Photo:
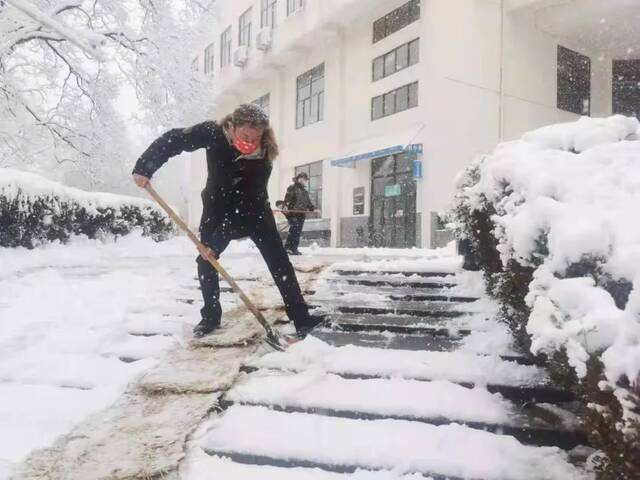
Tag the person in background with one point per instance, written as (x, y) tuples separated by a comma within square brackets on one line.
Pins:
[(297, 202), (240, 153)]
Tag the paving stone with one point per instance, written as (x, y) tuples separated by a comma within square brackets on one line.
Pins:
[(200, 370), (139, 437)]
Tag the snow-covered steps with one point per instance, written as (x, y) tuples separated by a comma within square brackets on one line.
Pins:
[(261, 435), (382, 307), (510, 378), (387, 340), (421, 365), (401, 324), (330, 290), (416, 342), (398, 273), (199, 465), (397, 280), (438, 402)]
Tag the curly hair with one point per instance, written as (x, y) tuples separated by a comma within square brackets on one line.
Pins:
[(254, 116)]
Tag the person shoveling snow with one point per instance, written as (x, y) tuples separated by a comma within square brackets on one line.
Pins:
[(240, 152)]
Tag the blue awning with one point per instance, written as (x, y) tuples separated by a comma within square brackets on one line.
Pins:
[(385, 152)]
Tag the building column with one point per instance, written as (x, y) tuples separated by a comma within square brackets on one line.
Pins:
[(335, 176)]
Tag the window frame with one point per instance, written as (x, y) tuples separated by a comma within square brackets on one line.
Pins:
[(571, 88), (209, 59), (226, 44), (394, 21), (245, 22), (307, 95), (293, 6), (625, 87), (388, 70), (315, 181), (389, 105), (268, 13)]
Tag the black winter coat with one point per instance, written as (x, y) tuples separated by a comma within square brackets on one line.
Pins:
[(236, 188), (297, 198)]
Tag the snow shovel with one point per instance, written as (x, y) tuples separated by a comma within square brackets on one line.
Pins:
[(272, 338)]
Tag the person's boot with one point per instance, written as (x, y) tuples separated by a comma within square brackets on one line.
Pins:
[(205, 327), (304, 328)]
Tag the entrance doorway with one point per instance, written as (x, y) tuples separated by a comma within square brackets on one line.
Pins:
[(393, 201)]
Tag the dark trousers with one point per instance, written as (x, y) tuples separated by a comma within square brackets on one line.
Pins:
[(263, 232), (296, 223)]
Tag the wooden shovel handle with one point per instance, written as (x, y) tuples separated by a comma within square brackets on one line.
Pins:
[(236, 288)]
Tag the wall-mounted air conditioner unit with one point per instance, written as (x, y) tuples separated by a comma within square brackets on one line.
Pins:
[(263, 41), (240, 56)]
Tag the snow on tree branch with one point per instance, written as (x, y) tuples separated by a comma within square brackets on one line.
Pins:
[(87, 41), (63, 64)]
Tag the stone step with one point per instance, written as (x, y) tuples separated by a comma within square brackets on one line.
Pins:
[(442, 326), (399, 292), (423, 309), (547, 436), (391, 332), (301, 439), (401, 341), (541, 393), (508, 375), (199, 465), (315, 466), (436, 403), (386, 280), (405, 273)]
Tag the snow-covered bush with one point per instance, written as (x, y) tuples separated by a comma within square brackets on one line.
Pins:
[(34, 210), (552, 220)]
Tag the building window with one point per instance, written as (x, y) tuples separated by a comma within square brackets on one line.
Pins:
[(209, 57), (263, 102), (244, 28), (395, 101), (225, 48), (626, 87), (574, 82), (397, 59), (268, 13), (314, 171), (294, 5), (195, 64), (310, 97), (396, 20)]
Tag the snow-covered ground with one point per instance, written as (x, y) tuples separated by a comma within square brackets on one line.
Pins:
[(73, 320)]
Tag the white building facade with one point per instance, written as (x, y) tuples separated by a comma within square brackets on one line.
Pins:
[(383, 102)]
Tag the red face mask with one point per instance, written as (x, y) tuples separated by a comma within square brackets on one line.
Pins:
[(246, 148)]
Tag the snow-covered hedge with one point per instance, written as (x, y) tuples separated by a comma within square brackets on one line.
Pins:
[(553, 221), (34, 210)]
